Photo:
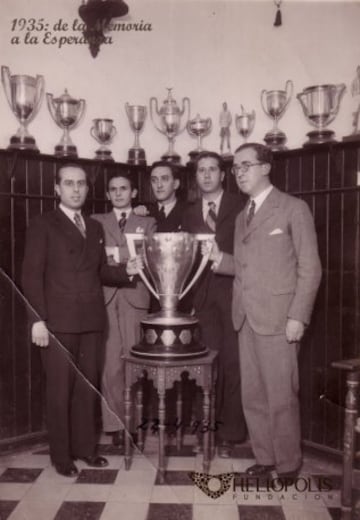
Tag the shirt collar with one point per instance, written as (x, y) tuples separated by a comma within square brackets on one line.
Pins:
[(118, 212), (259, 199), (205, 203), (70, 213), (167, 207)]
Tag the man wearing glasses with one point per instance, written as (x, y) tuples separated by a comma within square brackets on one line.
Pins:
[(277, 275)]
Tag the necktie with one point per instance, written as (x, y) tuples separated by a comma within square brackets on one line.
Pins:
[(161, 215), (211, 216), (122, 222), (251, 212), (79, 224)]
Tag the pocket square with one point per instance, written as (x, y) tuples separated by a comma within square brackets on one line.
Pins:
[(276, 231)]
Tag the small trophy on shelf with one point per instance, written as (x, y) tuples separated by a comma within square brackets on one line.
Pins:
[(136, 116), (198, 127), (103, 131), (245, 123), (274, 103)]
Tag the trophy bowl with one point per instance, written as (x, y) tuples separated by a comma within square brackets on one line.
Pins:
[(320, 104), (169, 116), (66, 112), (198, 127), (245, 123), (24, 95), (103, 131), (169, 259), (136, 116), (274, 103)]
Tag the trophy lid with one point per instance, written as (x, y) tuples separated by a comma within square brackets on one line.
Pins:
[(66, 98)]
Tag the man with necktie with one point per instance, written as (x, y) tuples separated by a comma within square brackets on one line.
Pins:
[(215, 212), (127, 305), (63, 269), (277, 275)]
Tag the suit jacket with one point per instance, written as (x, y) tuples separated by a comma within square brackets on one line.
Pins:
[(193, 222), (172, 221), (276, 265), (134, 291), (62, 273)]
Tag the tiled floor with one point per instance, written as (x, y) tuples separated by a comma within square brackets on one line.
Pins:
[(30, 489)]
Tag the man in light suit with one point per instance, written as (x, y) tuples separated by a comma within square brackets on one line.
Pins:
[(277, 275), (126, 305), (64, 266)]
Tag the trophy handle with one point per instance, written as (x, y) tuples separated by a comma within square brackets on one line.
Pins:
[(185, 105), (201, 237), (5, 79), (210, 126), (127, 108), (113, 132), (92, 133), (152, 101), (263, 92), (50, 105), (289, 88), (130, 240)]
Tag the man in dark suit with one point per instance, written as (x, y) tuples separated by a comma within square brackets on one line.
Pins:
[(64, 266), (277, 275), (215, 212), (125, 306), (168, 209)]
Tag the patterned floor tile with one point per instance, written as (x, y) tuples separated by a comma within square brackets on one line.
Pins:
[(117, 511), (261, 513), (215, 511), (36, 510), (80, 511), (169, 511), (22, 475), (173, 478), (97, 476), (6, 507), (172, 495)]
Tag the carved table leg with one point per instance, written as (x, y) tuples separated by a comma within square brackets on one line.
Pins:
[(127, 400), (161, 393), (206, 429), (139, 415), (351, 412), (179, 405)]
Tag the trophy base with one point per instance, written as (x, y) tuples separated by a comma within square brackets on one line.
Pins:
[(351, 138), (65, 151), (171, 158), (317, 137), (193, 154), (136, 156), (23, 143), (275, 141), (175, 339), (103, 155)]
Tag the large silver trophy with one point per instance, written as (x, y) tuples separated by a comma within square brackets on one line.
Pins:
[(136, 116), (245, 123), (170, 117), (199, 128), (274, 103), (321, 104), (24, 94), (169, 259), (103, 131), (66, 112)]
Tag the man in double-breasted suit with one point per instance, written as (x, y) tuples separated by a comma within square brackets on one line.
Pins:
[(63, 271), (277, 275), (215, 212), (127, 305)]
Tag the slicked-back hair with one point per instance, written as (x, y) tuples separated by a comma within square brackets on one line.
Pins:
[(166, 164), (263, 153), (123, 175), (68, 165), (210, 155)]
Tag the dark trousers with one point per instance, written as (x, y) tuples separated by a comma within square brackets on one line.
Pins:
[(71, 364), (218, 334)]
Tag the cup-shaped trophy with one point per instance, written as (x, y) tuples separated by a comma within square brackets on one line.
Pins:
[(245, 123), (274, 103), (103, 131), (24, 94), (66, 112), (170, 122), (136, 116), (199, 128), (169, 259), (321, 104)]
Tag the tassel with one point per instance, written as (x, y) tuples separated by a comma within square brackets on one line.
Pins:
[(278, 19)]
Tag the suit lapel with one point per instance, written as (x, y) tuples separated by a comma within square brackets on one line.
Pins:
[(266, 210), (72, 235)]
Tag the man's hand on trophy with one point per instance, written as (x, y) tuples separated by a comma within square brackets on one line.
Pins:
[(134, 265), (141, 211)]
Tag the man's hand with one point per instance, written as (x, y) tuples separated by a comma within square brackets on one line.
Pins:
[(141, 210), (134, 265), (294, 330), (210, 246), (40, 334)]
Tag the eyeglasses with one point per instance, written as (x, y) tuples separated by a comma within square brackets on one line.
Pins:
[(243, 167)]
